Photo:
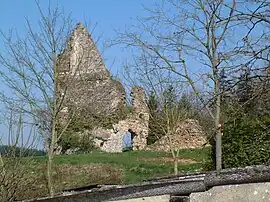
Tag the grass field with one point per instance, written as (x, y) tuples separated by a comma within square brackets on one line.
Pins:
[(104, 168)]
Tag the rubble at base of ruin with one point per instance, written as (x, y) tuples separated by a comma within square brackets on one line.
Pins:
[(91, 91), (189, 135)]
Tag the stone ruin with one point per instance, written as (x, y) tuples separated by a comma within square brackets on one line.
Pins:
[(86, 88), (136, 123), (84, 81), (189, 135)]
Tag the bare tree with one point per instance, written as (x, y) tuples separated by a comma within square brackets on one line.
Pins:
[(32, 71), (256, 19), (13, 167), (167, 114), (172, 117), (195, 41)]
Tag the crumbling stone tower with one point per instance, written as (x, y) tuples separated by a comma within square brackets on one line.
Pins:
[(136, 123), (89, 91), (141, 114), (84, 80)]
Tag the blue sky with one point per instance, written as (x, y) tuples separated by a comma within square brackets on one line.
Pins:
[(108, 15)]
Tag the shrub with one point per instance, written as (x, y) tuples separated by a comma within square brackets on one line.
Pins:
[(84, 121), (246, 142), (72, 141), (127, 149), (12, 151)]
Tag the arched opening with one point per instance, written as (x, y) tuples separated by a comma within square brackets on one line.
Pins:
[(128, 140), (101, 144)]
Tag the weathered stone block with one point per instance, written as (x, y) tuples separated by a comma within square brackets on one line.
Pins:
[(162, 198), (259, 192), (189, 134)]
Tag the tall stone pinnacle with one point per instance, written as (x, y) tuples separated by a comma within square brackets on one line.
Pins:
[(82, 54), (91, 88)]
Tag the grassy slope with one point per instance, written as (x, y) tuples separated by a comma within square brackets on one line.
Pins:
[(103, 168), (137, 165)]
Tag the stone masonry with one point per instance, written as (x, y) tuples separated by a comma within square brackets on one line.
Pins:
[(84, 83), (188, 135), (136, 122), (85, 86)]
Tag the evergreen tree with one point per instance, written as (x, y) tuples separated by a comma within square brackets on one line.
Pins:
[(246, 131), (152, 102), (155, 121), (169, 97), (244, 91)]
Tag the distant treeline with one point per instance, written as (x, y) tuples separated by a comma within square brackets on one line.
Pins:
[(6, 150)]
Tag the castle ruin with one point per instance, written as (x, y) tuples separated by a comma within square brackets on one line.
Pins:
[(84, 81), (111, 140), (85, 87)]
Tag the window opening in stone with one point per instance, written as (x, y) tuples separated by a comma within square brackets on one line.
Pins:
[(127, 143), (128, 140), (101, 144)]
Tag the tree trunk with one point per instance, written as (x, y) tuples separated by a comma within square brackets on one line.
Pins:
[(215, 68), (218, 136), (175, 166), (50, 164), (53, 134)]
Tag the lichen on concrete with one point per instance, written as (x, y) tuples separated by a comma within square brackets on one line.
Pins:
[(234, 193)]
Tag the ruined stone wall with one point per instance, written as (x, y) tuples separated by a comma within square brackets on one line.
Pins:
[(81, 55), (141, 115), (84, 86), (137, 122), (83, 79), (188, 135)]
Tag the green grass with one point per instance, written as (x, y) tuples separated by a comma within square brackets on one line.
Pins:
[(71, 171), (137, 165)]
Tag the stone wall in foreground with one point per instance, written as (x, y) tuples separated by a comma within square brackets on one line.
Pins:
[(253, 192), (257, 192)]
